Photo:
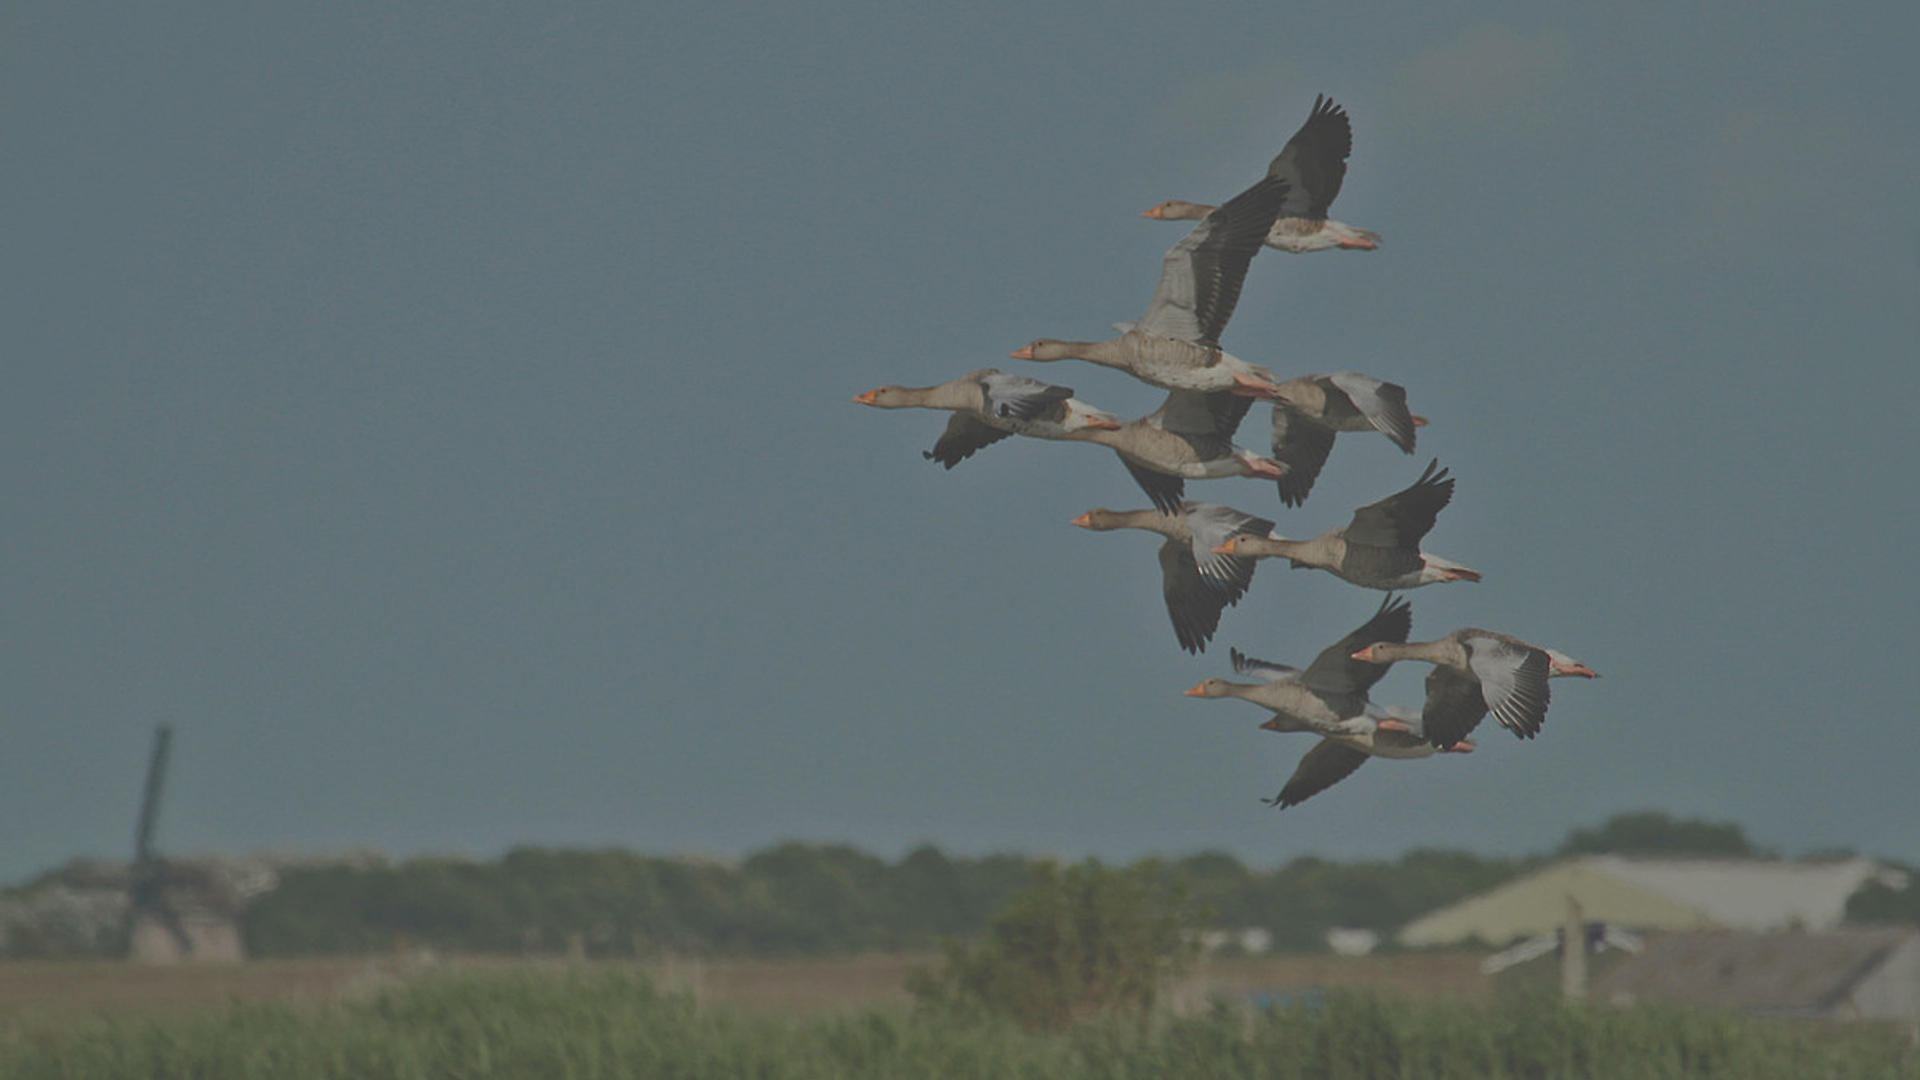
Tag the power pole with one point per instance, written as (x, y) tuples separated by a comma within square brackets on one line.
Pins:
[(1573, 953)]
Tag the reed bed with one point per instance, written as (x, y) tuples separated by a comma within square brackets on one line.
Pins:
[(587, 1025)]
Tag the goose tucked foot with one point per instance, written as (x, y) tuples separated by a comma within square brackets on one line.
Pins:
[(1260, 389)]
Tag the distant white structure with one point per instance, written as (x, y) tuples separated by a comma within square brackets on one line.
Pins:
[(1352, 941), (1656, 894), (1600, 937), (1251, 940)]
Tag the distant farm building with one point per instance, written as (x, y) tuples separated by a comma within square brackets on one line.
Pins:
[(1250, 941), (1655, 894), (1866, 974)]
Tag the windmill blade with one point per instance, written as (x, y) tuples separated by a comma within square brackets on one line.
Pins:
[(150, 798)]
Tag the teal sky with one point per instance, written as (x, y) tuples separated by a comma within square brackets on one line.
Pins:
[(440, 415)]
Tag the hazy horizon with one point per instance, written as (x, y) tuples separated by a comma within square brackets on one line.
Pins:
[(1761, 849)]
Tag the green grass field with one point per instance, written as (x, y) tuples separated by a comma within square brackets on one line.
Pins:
[(590, 1024)]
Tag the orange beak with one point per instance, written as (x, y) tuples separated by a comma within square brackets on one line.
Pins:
[(1419, 421), (1224, 549), (1025, 352), (1103, 423), (1085, 520), (1198, 691), (1363, 654), (1272, 724), (866, 398), (1153, 213)]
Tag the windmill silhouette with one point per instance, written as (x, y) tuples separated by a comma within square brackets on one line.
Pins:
[(147, 900)]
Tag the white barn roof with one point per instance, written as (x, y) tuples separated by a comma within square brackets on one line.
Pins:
[(1662, 894), (1742, 894)]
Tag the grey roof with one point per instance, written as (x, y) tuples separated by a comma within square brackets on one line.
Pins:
[(1790, 974)]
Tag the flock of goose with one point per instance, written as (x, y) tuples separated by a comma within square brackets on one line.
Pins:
[(1209, 551)]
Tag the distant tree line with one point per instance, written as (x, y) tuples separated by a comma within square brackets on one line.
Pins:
[(1649, 832), (808, 899), (800, 899), (796, 899), (1883, 903)]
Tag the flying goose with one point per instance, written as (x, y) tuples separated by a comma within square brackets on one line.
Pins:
[(1330, 696), (1475, 672), (1396, 734), (1314, 162), (1189, 437), (1176, 344), (1379, 548), (989, 405), (1197, 580), (1310, 410)]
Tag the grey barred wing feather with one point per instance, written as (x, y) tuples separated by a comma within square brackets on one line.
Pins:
[(1404, 518), (1302, 440), (1211, 525), (1323, 766), (963, 436), (1201, 276), (1174, 310), (1200, 414), (1513, 680), (1383, 540), (1336, 674), (1454, 707), (1018, 397), (1301, 445), (1314, 161), (1193, 605), (1164, 490), (1265, 670), (1384, 404)]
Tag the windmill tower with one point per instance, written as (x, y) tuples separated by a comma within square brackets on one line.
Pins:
[(176, 912)]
